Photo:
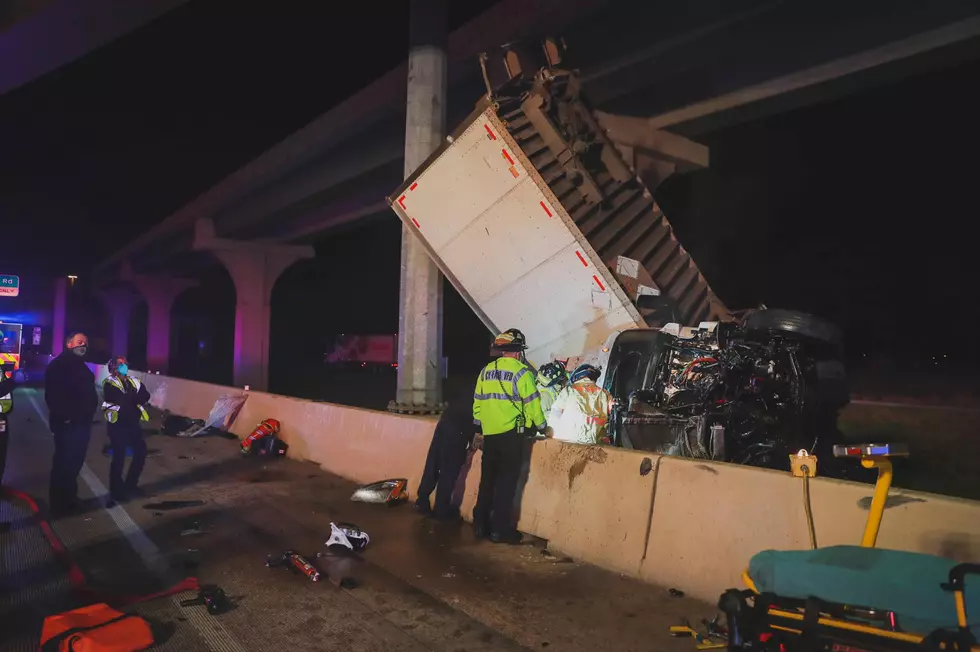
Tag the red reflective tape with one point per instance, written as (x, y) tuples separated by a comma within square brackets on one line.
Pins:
[(401, 202), (507, 156), (490, 132), (413, 186), (416, 223), (545, 207), (596, 279), (582, 258)]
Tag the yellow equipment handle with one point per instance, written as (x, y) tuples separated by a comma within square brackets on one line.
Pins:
[(882, 485)]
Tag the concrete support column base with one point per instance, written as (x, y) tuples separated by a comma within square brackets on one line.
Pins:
[(120, 304), (254, 268), (58, 321), (159, 292)]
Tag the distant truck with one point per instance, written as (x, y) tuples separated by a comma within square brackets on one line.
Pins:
[(534, 216), (11, 340), (365, 349)]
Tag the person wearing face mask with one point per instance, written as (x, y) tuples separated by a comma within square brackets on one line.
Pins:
[(123, 405), (69, 391)]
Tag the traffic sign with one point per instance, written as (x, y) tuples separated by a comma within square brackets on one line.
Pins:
[(9, 285)]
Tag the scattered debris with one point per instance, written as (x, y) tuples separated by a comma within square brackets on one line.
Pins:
[(264, 442), (295, 561), (384, 492), (223, 413), (211, 596), (193, 529), (152, 452), (676, 593), (349, 536), (167, 505)]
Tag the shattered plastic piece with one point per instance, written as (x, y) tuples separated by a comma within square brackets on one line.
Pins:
[(223, 414), (348, 535), (676, 593), (387, 491)]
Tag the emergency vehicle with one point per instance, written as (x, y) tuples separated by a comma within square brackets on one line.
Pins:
[(10, 344)]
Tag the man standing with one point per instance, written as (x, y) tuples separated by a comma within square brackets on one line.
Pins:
[(447, 454), (580, 414), (69, 391), (506, 410)]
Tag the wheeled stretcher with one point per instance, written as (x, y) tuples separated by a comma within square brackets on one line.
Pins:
[(854, 598)]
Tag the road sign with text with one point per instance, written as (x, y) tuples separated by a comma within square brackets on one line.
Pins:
[(9, 285)]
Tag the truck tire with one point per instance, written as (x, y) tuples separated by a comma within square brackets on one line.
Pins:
[(796, 323)]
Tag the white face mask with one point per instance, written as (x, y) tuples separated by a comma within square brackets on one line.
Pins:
[(80, 350)]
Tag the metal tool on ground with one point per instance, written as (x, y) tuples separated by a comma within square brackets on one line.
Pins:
[(212, 597), (296, 562)]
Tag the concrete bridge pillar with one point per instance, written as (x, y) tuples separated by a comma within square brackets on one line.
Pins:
[(159, 293), (120, 304), (254, 267), (420, 301), (58, 316)]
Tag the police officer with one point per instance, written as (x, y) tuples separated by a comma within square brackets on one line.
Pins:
[(69, 391), (124, 401), (506, 410), (6, 407)]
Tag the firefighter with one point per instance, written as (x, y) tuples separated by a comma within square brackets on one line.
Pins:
[(124, 401), (506, 410), (580, 414), (552, 378), (6, 407), (447, 454), (69, 391)]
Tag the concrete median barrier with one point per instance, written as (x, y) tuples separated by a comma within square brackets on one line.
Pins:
[(680, 523)]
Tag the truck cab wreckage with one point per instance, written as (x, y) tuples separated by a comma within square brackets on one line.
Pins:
[(539, 210)]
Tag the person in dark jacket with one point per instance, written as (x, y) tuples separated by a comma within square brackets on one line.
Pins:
[(124, 401), (69, 391), (6, 407), (447, 454)]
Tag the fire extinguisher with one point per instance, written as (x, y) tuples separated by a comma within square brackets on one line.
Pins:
[(267, 428)]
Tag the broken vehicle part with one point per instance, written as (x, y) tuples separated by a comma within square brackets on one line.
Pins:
[(387, 491), (223, 413), (212, 597), (747, 394), (349, 536)]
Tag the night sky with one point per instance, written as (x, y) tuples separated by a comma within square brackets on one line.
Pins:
[(858, 209)]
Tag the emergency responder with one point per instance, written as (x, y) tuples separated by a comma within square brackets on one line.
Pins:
[(124, 407), (6, 407), (447, 454), (552, 378), (580, 414), (506, 410), (69, 391)]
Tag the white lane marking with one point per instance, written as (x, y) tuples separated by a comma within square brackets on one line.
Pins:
[(210, 629)]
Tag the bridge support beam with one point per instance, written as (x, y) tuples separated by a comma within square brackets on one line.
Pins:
[(58, 333), (159, 293), (254, 267), (420, 365), (120, 304)]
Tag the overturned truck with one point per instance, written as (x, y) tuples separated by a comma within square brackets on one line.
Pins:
[(538, 209)]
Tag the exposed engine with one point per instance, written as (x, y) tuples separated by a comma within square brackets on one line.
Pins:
[(748, 394)]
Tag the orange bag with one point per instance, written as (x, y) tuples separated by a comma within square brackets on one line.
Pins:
[(95, 628)]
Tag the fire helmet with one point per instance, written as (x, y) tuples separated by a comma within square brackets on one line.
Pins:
[(511, 340), (585, 371), (552, 373)]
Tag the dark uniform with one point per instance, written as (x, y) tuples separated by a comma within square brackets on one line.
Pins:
[(69, 391), (123, 401), (447, 454), (6, 407)]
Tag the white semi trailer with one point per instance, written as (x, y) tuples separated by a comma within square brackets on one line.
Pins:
[(533, 215)]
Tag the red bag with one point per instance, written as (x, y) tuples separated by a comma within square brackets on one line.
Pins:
[(95, 628)]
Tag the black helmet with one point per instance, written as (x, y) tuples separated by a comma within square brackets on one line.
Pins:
[(585, 371), (553, 373), (511, 340)]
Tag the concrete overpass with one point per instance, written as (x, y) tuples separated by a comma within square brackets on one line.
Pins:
[(663, 76)]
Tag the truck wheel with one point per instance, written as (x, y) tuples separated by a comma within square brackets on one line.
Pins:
[(797, 323)]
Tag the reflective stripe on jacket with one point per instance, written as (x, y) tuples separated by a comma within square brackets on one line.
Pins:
[(111, 410), (580, 414), (505, 392), (6, 403)]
